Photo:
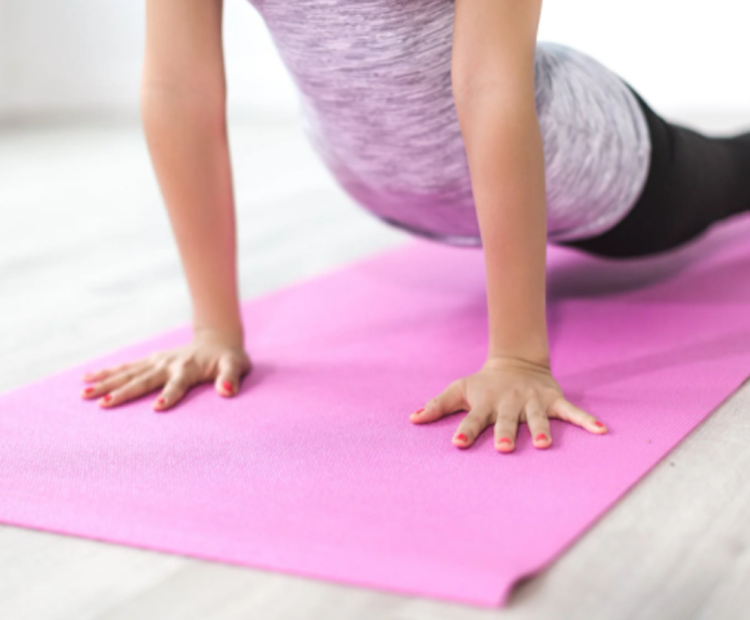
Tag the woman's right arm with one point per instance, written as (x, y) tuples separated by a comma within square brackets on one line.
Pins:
[(183, 111), (183, 103)]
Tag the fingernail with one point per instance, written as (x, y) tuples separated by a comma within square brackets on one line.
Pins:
[(107, 398), (599, 424), (540, 437), (504, 440), (228, 387), (462, 437), (418, 411), (160, 401), (89, 390)]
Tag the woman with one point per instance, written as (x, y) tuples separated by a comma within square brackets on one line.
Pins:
[(450, 121)]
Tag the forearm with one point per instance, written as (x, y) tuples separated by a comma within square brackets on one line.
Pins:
[(506, 159), (187, 140)]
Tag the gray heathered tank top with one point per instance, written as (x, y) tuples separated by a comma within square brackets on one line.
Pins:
[(374, 82)]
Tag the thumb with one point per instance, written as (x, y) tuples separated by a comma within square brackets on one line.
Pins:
[(231, 370), (450, 400)]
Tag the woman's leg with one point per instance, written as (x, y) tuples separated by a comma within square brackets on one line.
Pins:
[(693, 181)]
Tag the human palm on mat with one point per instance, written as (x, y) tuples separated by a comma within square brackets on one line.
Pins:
[(519, 143)]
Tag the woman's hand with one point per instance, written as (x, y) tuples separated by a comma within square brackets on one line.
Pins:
[(503, 393), (210, 357)]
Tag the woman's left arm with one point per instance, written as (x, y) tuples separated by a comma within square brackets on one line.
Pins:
[(494, 44)]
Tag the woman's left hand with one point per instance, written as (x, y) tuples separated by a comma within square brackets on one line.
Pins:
[(503, 393)]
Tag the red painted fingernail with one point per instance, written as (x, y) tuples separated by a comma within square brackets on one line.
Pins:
[(88, 390), (462, 437), (504, 440), (227, 386), (108, 397), (597, 423), (418, 411), (160, 401), (540, 437)]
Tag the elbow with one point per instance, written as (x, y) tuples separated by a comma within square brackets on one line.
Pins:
[(198, 93), (163, 102), (477, 97), (468, 86), (503, 85)]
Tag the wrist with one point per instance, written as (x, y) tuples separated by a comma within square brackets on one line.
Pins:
[(230, 334), (523, 338), (504, 361), (534, 350), (535, 355)]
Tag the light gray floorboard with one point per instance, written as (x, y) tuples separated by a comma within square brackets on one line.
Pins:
[(87, 265)]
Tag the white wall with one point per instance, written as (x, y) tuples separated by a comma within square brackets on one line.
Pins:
[(681, 54), (83, 56), (72, 56), (4, 54)]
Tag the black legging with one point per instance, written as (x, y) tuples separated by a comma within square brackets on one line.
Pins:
[(693, 181)]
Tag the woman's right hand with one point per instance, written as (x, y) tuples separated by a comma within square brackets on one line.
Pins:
[(210, 357)]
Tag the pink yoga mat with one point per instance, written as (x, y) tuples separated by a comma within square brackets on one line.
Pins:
[(315, 469)]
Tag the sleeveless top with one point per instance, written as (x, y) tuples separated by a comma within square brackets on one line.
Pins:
[(375, 94)]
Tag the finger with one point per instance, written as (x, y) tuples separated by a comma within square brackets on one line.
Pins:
[(565, 410), (536, 418), (228, 379), (506, 426), (472, 426), (99, 375), (141, 384), (174, 390), (104, 387), (449, 401)]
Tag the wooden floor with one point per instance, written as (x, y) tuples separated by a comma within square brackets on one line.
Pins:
[(87, 265)]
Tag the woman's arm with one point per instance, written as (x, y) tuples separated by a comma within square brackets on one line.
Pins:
[(493, 82), (183, 103), (183, 100), (494, 45)]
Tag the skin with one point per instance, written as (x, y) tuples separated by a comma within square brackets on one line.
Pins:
[(492, 74), (183, 108)]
